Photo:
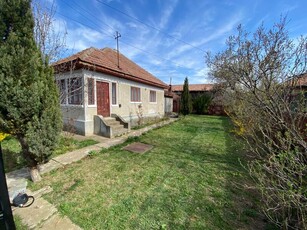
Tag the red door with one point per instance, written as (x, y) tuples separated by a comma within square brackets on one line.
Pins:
[(103, 102)]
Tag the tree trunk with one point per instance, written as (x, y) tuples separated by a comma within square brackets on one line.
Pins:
[(34, 173)]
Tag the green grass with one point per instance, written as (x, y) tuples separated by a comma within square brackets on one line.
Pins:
[(13, 159), (18, 224), (191, 179)]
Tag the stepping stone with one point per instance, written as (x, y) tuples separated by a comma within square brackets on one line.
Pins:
[(38, 212), (59, 222), (138, 147)]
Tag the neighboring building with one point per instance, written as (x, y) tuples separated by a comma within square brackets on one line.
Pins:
[(215, 107), (168, 100), (298, 96), (300, 83), (298, 86), (194, 89), (96, 84)]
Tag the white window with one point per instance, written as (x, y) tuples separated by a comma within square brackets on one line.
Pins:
[(135, 94), (114, 98), (62, 88), (91, 91), (152, 96), (75, 91)]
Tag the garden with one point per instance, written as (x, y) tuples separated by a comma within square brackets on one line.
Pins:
[(192, 178)]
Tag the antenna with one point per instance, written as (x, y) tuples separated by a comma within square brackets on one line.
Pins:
[(117, 36)]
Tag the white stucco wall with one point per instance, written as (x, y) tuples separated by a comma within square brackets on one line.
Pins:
[(84, 114)]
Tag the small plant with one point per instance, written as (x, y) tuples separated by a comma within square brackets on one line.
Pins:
[(92, 153), (69, 128), (139, 113)]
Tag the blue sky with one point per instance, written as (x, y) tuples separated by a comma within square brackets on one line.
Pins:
[(169, 38)]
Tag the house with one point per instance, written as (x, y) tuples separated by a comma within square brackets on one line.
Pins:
[(298, 98), (196, 90), (103, 92), (298, 89), (300, 83)]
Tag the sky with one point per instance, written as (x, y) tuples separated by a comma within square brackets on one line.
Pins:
[(169, 38)]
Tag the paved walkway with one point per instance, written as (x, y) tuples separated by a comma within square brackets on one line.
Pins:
[(42, 214)]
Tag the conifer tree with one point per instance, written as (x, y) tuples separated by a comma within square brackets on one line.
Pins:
[(29, 108), (186, 102)]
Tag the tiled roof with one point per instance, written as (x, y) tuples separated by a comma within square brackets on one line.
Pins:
[(194, 87), (302, 80), (105, 61), (298, 81)]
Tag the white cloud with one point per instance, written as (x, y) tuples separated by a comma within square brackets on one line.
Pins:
[(82, 38), (165, 17)]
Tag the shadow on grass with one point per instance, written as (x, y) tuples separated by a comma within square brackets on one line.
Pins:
[(209, 156), (236, 206), (239, 185)]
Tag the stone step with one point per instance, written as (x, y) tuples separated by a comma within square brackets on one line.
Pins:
[(117, 126), (40, 210), (111, 121)]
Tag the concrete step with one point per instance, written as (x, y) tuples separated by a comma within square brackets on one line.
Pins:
[(117, 126), (40, 210), (111, 121)]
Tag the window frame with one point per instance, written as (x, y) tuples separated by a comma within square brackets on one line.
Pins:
[(91, 92), (62, 91), (135, 94), (75, 91), (154, 94), (114, 94)]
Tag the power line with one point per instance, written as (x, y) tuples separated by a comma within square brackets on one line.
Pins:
[(150, 26), (84, 9), (112, 36)]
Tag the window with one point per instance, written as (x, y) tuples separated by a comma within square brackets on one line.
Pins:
[(62, 88), (135, 94), (114, 99), (152, 96), (91, 91), (75, 91)]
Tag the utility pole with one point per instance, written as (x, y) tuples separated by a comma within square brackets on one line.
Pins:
[(117, 36)]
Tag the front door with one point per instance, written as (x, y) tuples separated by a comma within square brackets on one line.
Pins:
[(103, 102)]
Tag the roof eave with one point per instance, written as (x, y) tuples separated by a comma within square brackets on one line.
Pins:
[(78, 63), (113, 72)]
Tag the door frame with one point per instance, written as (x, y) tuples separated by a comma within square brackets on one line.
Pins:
[(109, 104)]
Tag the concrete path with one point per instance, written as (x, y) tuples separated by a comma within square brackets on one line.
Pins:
[(42, 214)]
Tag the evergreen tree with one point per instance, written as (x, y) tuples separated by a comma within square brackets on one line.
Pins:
[(186, 102), (29, 107)]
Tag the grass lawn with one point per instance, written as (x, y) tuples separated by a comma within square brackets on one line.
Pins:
[(191, 179), (13, 158)]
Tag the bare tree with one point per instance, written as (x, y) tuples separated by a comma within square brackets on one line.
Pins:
[(48, 36), (264, 99)]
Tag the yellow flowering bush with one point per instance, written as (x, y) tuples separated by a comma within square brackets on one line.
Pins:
[(3, 136)]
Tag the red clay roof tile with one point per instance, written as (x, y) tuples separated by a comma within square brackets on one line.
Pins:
[(302, 80), (105, 60), (194, 87)]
